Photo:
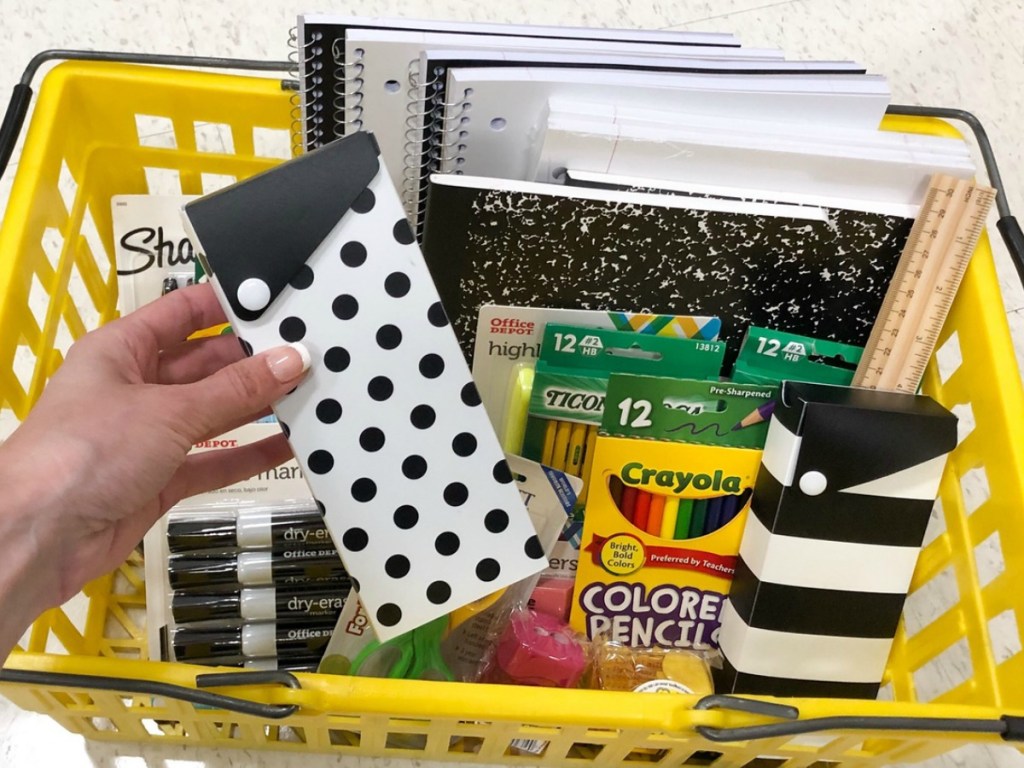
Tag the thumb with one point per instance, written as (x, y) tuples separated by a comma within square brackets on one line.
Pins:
[(234, 393)]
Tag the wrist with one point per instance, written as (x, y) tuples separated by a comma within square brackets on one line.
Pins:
[(27, 585)]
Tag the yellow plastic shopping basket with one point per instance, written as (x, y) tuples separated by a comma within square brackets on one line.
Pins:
[(956, 669)]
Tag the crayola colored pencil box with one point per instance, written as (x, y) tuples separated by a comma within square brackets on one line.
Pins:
[(664, 520)]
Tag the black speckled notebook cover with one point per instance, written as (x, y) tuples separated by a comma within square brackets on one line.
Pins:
[(818, 278)]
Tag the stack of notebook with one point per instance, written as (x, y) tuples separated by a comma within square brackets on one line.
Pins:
[(601, 169)]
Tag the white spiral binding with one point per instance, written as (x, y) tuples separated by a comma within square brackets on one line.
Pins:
[(348, 90), (307, 101), (441, 142), (419, 134)]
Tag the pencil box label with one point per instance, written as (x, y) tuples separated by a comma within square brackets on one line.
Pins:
[(688, 411)]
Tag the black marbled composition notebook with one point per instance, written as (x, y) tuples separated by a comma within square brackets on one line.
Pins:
[(806, 270)]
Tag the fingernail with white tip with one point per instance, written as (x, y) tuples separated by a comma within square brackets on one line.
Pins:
[(288, 362)]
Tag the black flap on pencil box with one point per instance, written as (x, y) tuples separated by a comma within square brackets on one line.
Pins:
[(268, 226)]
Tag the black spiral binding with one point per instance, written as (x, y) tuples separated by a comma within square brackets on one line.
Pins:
[(307, 113), (347, 109)]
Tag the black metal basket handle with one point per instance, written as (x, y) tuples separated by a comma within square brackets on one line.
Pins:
[(17, 108), (1008, 727), (172, 691)]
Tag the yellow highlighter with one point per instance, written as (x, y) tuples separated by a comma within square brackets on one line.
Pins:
[(516, 410), (668, 522)]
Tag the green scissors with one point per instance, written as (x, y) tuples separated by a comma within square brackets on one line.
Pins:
[(416, 655)]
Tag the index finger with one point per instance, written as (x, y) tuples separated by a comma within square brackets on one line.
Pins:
[(173, 318)]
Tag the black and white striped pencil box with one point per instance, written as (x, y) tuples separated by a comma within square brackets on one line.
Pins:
[(839, 511)]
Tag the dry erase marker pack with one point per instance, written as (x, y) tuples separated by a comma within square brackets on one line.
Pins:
[(508, 343), (387, 425), (663, 525), (771, 357)]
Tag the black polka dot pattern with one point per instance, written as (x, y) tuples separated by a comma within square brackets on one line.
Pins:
[(328, 410), (389, 337), (380, 388), (320, 462), (436, 315), (464, 444), (246, 347), (447, 543), (423, 417), (406, 517), (414, 467), (365, 202), (502, 473), (397, 566), (469, 395), (285, 428), (302, 279), (488, 569), (431, 366), (337, 359), (364, 489), (389, 614), (355, 539), (533, 548), (439, 592), (455, 494), (345, 307), (388, 429), (496, 520), (403, 232), (371, 439), (397, 284), (353, 254), (292, 329)]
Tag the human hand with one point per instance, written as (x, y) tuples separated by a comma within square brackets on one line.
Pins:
[(105, 451)]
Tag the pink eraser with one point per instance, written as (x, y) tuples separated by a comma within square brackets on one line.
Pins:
[(553, 597), (537, 649)]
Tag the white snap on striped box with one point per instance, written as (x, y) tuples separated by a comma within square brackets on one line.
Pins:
[(840, 507), (388, 425)]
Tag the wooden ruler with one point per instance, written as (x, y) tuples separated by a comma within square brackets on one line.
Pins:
[(927, 277)]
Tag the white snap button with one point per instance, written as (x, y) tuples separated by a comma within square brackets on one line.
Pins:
[(813, 483), (254, 294)]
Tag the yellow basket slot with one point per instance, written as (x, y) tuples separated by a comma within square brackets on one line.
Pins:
[(57, 281)]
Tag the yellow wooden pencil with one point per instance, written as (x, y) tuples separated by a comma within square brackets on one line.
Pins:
[(588, 461), (549, 443), (670, 517), (577, 449), (563, 431)]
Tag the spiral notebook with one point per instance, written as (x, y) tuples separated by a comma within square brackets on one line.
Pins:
[(430, 155), (322, 66), (811, 165), (505, 106)]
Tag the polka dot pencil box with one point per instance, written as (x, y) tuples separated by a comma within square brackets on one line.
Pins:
[(388, 425)]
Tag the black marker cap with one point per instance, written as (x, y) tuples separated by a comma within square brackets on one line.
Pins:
[(195, 569), (205, 644)]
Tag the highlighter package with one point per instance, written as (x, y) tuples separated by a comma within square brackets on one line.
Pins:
[(771, 357), (568, 395), (509, 339), (664, 519)]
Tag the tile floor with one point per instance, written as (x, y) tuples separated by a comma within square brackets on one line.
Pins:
[(964, 53)]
